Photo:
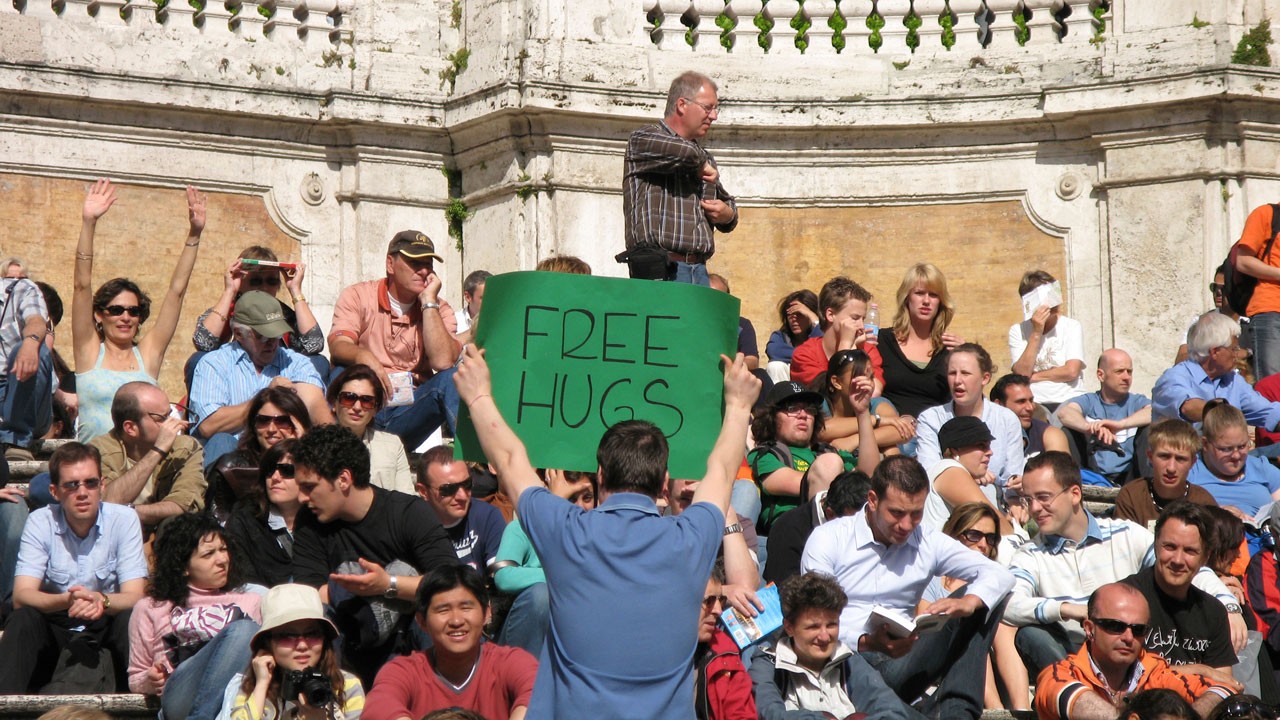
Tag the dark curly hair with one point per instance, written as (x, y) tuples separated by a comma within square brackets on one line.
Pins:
[(359, 371), (113, 287), (764, 423), (282, 397), (330, 449), (176, 542), (811, 590)]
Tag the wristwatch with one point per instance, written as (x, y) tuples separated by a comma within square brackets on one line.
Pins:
[(392, 587), (430, 306), (1233, 608), (734, 528)]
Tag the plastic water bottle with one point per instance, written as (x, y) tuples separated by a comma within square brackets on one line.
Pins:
[(871, 323)]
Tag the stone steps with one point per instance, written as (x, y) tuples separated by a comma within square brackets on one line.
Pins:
[(29, 707)]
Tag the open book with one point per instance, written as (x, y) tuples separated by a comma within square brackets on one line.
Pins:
[(746, 630), (1050, 294), (900, 625)]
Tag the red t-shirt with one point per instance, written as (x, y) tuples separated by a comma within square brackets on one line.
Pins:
[(810, 360), (409, 686)]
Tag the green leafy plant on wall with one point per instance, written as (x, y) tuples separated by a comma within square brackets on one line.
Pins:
[(947, 20), (1252, 48), (1021, 32), (875, 23), (838, 23)]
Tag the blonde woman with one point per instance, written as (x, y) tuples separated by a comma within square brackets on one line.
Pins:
[(914, 354)]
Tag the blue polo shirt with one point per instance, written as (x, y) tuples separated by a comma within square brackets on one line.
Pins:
[(109, 555), (626, 590)]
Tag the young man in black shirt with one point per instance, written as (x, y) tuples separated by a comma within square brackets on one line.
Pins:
[(364, 547), (1187, 626)]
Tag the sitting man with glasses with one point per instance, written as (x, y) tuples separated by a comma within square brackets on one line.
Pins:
[(364, 547), (227, 379), (671, 192), (147, 463), (474, 526), (1075, 553), (1209, 372), (80, 571), (1112, 665)]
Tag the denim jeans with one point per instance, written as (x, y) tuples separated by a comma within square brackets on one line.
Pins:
[(695, 274), (1043, 645), (26, 407), (954, 657), (528, 620), (13, 516), (195, 688), (435, 403), (217, 446), (1266, 343)]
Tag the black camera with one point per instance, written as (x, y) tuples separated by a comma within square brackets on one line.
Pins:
[(310, 683)]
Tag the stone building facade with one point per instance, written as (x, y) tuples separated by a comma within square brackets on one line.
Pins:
[(1114, 144)]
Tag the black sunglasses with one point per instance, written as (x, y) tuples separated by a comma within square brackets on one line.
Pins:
[(283, 422), (1240, 709), (451, 489), (972, 537), (118, 310), (1115, 627), (710, 601), (286, 470), (74, 485), (1216, 288), (259, 281)]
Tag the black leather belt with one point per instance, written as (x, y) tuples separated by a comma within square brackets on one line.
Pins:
[(692, 258)]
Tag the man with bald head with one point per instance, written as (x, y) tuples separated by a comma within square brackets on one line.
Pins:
[(1111, 417), (146, 460), (1112, 665)]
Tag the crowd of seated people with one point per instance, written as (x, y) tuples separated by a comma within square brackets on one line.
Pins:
[(296, 536)]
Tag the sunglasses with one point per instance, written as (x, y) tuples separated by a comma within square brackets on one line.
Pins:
[(259, 281), (87, 483), (710, 601), (349, 399), (451, 489), (1240, 709), (1115, 627), (286, 470), (294, 637), (972, 537), (1215, 288), (262, 422), (118, 310)]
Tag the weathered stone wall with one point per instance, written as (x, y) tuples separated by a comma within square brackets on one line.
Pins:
[(140, 238)]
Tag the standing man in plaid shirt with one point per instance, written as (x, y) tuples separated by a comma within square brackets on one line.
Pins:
[(671, 191)]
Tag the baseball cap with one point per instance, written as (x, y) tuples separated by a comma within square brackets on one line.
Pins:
[(963, 432), (785, 392), (262, 312), (413, 244)]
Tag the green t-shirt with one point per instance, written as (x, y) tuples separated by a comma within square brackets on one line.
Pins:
[(763, 462)]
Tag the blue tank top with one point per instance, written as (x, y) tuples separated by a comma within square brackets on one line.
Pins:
[(97, 388)]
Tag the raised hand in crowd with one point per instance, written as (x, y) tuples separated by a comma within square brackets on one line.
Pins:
[(99, 199)]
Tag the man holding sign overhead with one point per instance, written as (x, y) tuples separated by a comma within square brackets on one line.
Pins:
[(621, 569)]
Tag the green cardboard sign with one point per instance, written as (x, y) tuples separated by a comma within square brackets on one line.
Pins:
[(571, 355)]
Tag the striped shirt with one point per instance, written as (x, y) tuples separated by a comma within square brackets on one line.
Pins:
[(1053, 570), (662, 191), (227, 376)]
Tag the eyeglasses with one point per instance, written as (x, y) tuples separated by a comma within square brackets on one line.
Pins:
[(1043, 498), (285, 470), (709, 602), (708, 109), (262, 422), (1216, 288), (349, 399), (87, 483), (118, 310), (797, 409), (315, 635), (972, 537), (272, 280), (451, 489), (1115, 627)]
